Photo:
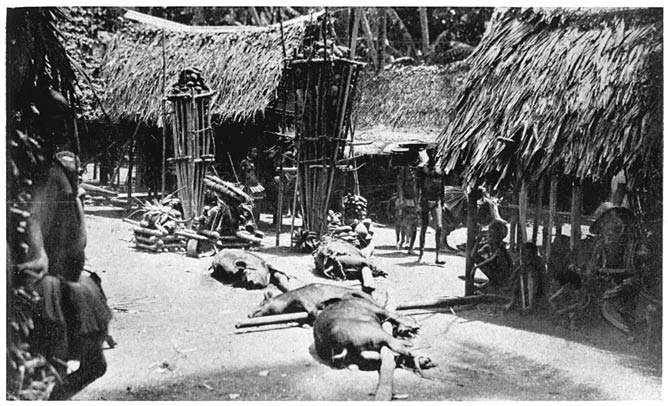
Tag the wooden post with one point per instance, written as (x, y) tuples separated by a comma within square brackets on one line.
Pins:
[(164, 120), (522, 223), (551, 215), (424, 25), (353, 45), (537, 211), (471, 212), (131, 153), (576, 207), (279, 204)]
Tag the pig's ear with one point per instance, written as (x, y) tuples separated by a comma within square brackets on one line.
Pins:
[(268, 295)]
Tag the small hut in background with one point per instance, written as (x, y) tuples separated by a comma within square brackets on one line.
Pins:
[(563, 95), (244, 64), (401, 105)]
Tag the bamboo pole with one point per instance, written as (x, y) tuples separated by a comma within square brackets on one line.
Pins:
[(551, 215), (471, 210), (576, 207)]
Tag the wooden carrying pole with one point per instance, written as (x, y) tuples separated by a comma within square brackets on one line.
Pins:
[(385, 388)]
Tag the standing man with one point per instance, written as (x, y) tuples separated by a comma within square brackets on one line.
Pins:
[(251, 183), (430, 197)]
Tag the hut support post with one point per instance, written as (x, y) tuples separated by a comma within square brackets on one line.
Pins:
[(522, 223), (471, 210), (164, 121), (131, 154), (576, 206), (279, 204), (537, 212), (551, 215)]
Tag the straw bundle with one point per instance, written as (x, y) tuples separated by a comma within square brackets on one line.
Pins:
[(569, 91)]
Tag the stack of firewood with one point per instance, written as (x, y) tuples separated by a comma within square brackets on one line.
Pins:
[(229, 222), (159, 229)]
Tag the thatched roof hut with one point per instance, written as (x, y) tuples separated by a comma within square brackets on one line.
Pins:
[(568, 91), (244, 64), (406, 104)]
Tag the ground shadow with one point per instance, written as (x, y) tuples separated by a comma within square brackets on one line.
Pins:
[(471, 373), (592, 330)]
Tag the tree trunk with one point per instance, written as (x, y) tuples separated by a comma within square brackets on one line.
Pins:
[(369, 39), (382, 36), (424, 25), (408, 39)]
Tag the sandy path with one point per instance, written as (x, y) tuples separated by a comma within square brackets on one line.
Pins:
[(175, 329)]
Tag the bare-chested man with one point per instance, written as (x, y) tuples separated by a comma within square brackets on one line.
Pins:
[(431, 187)]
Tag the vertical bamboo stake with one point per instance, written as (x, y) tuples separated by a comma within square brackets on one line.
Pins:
[(551, 215), (576, 206), (471, 211)]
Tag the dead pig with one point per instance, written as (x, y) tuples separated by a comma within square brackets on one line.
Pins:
[(309, 298), (350, 332), (337, 259), (244, 269)]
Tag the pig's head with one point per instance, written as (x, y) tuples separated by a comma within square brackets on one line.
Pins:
[(267, 307)]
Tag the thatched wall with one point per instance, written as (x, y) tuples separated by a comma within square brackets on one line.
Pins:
[(245, 68), (574, 91), (410, 97)]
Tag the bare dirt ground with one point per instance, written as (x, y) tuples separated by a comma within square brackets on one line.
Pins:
[(174, 325)]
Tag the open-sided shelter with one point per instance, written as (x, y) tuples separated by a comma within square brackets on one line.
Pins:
[(576, 92)]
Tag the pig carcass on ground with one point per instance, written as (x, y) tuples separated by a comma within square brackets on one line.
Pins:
[(244, 269), (309, 298), (349, 332), (337, 259)]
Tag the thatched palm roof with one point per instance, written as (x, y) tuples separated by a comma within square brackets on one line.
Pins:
[(409, 97), (404, 104), (578, 92), (244, 66)]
